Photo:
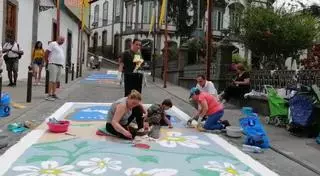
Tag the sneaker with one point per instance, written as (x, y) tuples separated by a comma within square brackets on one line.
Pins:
[(55, 96), (50, 98), (225, 123), (14, 84), (10, 85)]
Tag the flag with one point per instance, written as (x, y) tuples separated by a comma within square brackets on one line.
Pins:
[(83, 4), (163, 12), (153, 19)]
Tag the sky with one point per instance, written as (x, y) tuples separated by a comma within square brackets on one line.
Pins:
[(288, 4)]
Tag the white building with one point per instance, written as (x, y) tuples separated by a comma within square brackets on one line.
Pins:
[(35, 20), (115, 22)]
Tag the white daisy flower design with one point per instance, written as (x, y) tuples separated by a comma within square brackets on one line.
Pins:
[(48, 168), (152, 172), (98, 166), (172, 139), (226, 169)]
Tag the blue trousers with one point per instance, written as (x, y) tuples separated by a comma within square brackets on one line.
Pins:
[(212, 122)]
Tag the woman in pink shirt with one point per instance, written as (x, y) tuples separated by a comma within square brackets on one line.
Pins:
[(210, 107)]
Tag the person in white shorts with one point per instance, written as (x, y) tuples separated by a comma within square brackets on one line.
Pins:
[(56, 59)]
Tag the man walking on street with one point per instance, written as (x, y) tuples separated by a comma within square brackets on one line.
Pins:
[(13, 53), (56, 59), (132, 80)]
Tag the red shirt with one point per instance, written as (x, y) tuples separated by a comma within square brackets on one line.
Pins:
[(213, 104)]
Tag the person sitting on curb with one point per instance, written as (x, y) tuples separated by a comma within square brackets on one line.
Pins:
[(157, 118), (211, 108), (120, 116)]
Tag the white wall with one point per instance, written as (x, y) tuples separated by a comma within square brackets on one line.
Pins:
[(24, 36), (1, 20)]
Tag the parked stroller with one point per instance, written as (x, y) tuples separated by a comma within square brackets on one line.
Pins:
[(278, 108), (301, 118)]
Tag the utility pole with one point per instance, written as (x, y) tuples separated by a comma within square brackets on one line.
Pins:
[(209, 39), (58, 17), (166, 49)]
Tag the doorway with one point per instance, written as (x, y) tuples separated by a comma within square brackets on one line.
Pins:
[(11, 21), (54, 31), (69, 47)]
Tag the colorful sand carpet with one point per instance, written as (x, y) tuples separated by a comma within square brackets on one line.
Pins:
[(179, 151)]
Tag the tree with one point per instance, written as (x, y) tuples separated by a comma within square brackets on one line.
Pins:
[(183, 13), (278, 35)]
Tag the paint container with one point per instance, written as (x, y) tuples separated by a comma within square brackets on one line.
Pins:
[(60, 127), (142, 146)]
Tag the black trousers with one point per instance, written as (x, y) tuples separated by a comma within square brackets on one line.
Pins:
[(113, 131), (235, 92), (132, 81)]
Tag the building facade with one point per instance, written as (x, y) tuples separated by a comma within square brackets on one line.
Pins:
[(29, 21), (114, 23)]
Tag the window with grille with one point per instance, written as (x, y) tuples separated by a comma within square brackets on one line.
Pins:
[(147, 11), (105, 13)]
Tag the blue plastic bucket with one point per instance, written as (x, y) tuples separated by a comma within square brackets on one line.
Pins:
[(5, 108)]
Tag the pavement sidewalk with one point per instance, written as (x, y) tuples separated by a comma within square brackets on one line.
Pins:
[(75, 91), (304, 151)]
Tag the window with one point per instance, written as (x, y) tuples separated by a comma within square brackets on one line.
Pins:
[(147, 11), (105, 13), (96, 15), (104, 39), (129, 14), (217, 20), (117, 10)]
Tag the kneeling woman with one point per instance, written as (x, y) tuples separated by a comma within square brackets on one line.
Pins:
[(210, 107), (120, 115)]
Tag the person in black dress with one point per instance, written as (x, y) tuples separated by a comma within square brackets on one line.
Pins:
[(240, 85), (132, 79)]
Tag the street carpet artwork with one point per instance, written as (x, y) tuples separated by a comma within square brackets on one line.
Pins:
[(80, 152), (101, 78)]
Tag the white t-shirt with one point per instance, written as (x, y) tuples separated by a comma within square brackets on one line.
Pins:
[(208, 87), (56, 55), (15, 47)]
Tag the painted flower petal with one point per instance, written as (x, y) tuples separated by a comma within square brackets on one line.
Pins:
[(191, 137), (243, 173), (170, 144), (115, 162), (26, 168), (133, 171), (226, 174), (86, 163), (106, 160), (89, 169), (173, 134), (228, 165), (74, 173), (49, 164), (201, 142), (96, 159), (29, 174), (214, 166), (162, 172), (114, 167), (66, 167), (99, 171), (189, 144)]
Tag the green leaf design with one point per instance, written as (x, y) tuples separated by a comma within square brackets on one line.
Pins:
[(82, 145), (38, 158), (148, 159), (50, 147), (206, 172), (191, 157)]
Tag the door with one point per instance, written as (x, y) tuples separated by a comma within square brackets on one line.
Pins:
[(69, 47), (11, 21)]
